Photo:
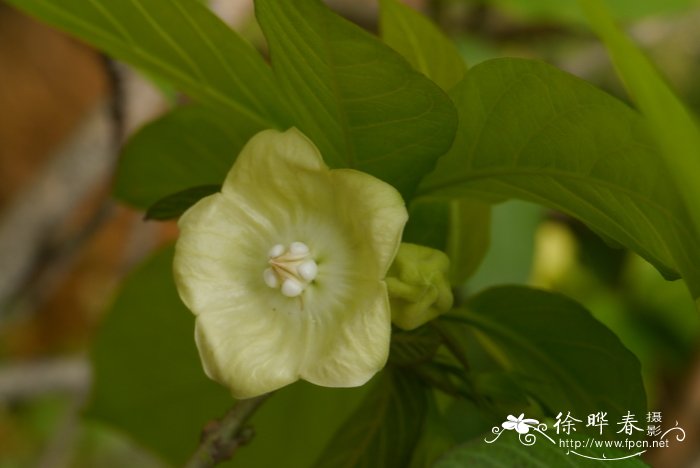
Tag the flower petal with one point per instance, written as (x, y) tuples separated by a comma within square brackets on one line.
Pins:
[(282, 175), (352, 344), (219, 245), (522, 428), (373, 210), (250, 349), (509, 425)]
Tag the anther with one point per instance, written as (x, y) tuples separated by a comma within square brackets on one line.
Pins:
[(292, 287), (308, 270), (298, 248), (276, 251), (290, 270), (271, 278)]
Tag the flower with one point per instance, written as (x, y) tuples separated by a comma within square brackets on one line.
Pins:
[(522, 426), (284, 269)]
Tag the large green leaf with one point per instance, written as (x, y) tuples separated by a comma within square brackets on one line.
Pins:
[(188, 147), (530, 131), (469, 237), (509, 451), (179, 40), (421, 43), (564, 358), (172, 206), (385, 428), (357, 99), (672, 124), (148, 380)]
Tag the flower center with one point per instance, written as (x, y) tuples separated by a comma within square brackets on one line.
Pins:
[(291, 269)]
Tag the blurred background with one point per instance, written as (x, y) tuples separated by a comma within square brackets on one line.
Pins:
[(65, 244)]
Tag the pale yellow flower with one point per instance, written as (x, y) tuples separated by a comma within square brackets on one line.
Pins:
[(284, 269)]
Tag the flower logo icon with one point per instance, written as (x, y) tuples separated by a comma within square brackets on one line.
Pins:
[(521, 425)]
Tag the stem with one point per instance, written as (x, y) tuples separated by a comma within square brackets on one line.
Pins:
[(220, 442)]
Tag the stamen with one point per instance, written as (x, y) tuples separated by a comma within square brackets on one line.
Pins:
[(292, 287), (290, 270), (271, 278), (298, 248), (276, 251), (308, 270)]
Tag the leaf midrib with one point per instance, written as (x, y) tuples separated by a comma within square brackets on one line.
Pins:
[(476, 175), (325, 56)]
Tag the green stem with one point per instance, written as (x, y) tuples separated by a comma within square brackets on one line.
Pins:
[(228, 434)]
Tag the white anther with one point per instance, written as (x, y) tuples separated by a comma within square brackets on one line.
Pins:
[(292, 288), (271, 278), (308, 270), (276, 251), (298, 248), (290, 269)]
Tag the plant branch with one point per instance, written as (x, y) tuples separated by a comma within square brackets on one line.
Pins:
[(222, 438)]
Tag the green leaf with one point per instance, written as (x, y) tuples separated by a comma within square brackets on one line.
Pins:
[(357, 99), (460, 227), (509, 451), (469, 237), (530, 131), (181, 41), (188, 147), (557, 352), (148, 380), (293, 427), (174, 205), (421, 43), (385, 428), (673, 126), (428, 224)]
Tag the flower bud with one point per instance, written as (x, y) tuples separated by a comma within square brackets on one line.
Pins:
[(419, 287)]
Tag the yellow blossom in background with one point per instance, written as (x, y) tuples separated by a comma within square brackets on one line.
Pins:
[(284, 269), (555, 255)]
